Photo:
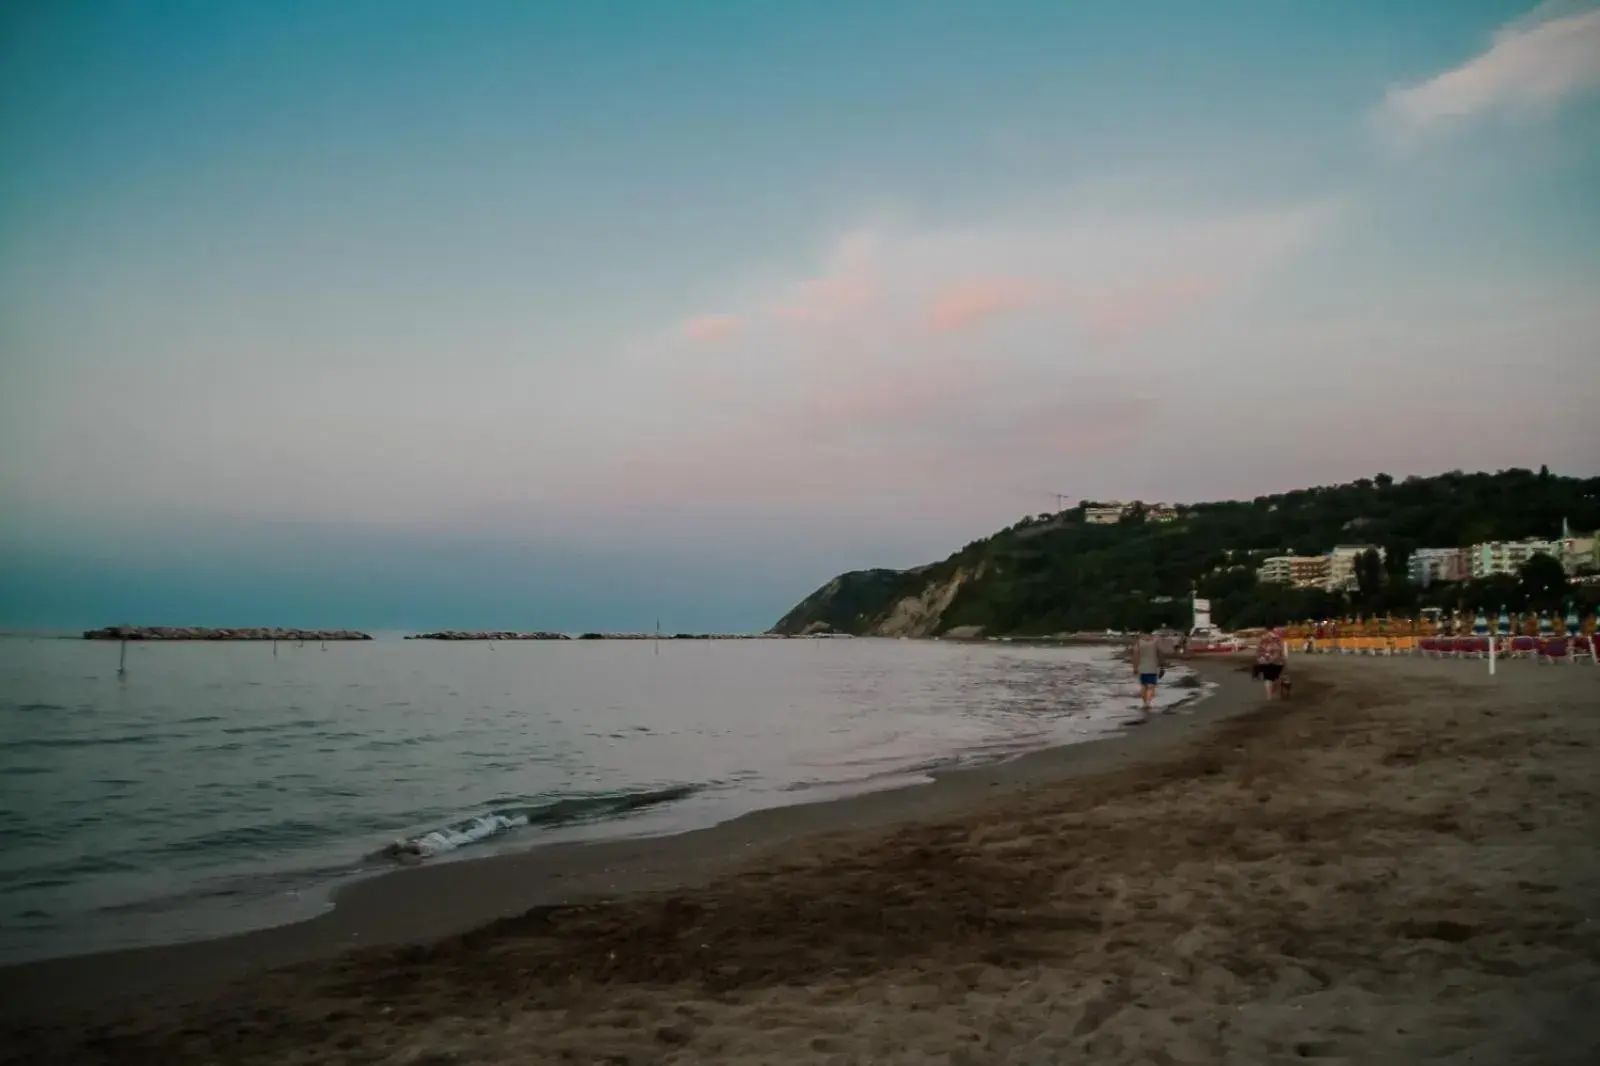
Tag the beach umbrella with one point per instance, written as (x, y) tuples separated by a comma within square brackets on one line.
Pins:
[(1545, 626), (1573, 624), (1504, 626), (1480, 624)]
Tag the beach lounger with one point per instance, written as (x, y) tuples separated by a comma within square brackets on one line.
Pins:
[(1553, 650)]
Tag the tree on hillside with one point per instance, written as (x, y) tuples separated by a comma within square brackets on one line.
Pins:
[(1369, 579), (1543, 582), (1397, 558)]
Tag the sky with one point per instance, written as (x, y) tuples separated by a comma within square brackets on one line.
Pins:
[(390, 313)]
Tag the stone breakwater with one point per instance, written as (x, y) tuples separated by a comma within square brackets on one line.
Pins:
[(200, 633), (479, 634), (456, 634), (676, 636)]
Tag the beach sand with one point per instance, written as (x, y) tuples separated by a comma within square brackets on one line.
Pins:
[(1401, 864)]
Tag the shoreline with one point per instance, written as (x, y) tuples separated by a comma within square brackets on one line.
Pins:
[(1397, 865), (401, 906)]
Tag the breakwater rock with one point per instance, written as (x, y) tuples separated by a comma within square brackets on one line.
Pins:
[(676, 636), (202, 633), (456, 634)]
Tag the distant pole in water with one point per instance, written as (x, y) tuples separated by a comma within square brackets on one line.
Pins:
[(274, 647), (122, 661), (658, 634)]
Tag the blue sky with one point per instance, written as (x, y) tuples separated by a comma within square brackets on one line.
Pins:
[(576, 314)]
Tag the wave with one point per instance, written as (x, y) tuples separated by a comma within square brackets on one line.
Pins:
[(564, 811), (46, 743)]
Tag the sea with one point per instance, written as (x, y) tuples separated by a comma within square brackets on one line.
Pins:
[(216, 788)]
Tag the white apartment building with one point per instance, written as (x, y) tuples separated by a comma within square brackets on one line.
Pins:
[(1507, 556), (1105, 514), (1109, 514), (1580, 552), (1342, 564), (1298, 571), (1429, 566)]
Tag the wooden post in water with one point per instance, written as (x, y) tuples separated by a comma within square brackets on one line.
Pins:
[(122, 659)]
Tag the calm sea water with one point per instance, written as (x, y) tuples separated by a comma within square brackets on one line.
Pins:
[(220, 787)]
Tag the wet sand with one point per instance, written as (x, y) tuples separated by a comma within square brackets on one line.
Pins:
[(1401, 864)]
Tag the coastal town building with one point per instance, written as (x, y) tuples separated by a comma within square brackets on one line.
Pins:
[(1342, 565), (1336, 571), (1430, 566), (1297, 571), (1105, 514), (1109, 514), (1578, 553), (1507, 556)]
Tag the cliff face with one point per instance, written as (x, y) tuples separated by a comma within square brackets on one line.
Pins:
[(880, 603), (921, 613), (850, 603)]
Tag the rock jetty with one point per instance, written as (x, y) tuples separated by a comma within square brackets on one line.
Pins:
[(202, 633), (675, 636), (490, 634), (457, 634)]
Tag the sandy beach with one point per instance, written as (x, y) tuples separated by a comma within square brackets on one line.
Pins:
[(1401, 864)]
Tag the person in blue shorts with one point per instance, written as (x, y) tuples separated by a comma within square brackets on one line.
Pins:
[(1149, 663)]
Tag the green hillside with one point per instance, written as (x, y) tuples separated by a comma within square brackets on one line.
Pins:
[(1055, 573)]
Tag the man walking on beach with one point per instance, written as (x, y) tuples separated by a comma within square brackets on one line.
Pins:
[(1271, 658), (1149, 663)]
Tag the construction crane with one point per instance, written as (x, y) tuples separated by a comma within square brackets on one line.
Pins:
[(1060, 498)]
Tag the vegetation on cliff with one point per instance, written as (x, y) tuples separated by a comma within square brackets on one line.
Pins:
[(850, 603), (1056, 572)]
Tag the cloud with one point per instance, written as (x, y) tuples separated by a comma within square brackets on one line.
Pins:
[(969, 302), (828, 299), (903, 390), (1530, 67), (706, 328), (1131, 311), (737, 415)]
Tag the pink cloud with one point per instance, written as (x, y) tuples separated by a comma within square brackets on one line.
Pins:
[(1134, 310), (707, 328), (966, 303), (822, 299)]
